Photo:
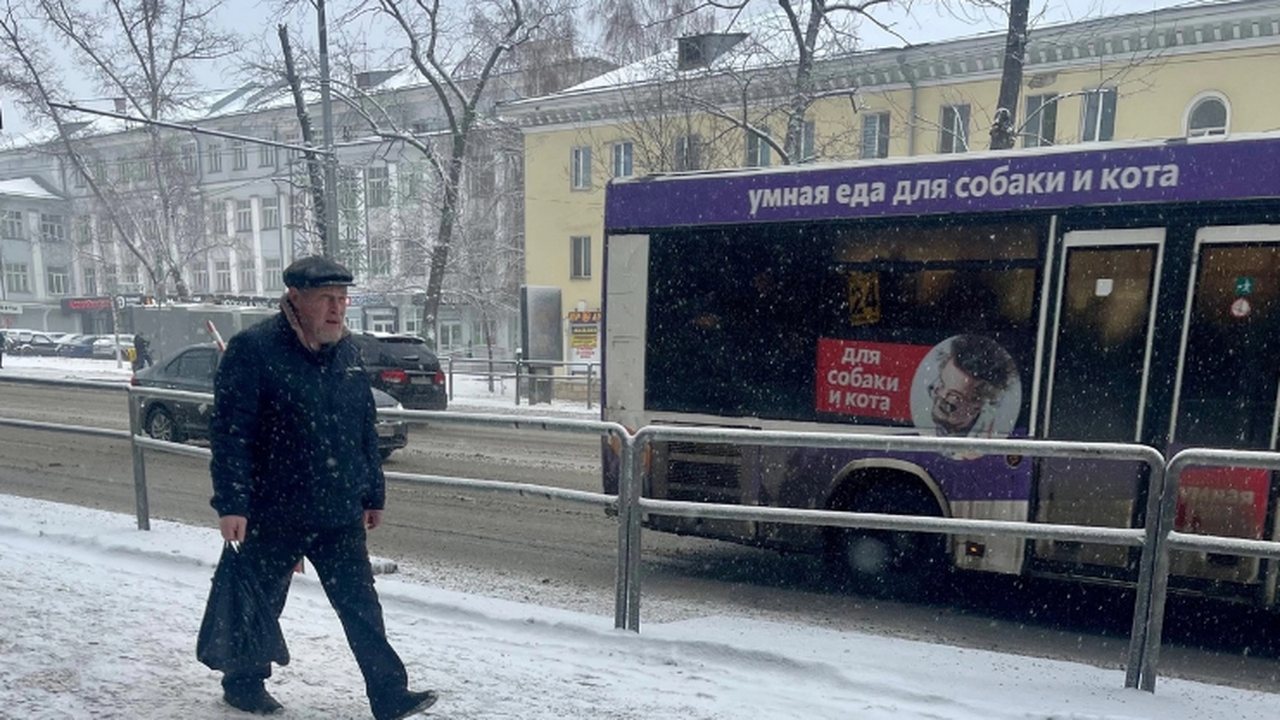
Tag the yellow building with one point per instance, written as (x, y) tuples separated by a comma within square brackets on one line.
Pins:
[(722, 100)]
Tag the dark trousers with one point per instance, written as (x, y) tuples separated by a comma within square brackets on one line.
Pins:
[(341, 561)]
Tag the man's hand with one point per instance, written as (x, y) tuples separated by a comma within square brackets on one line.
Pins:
[(233, 527), (372, 519)]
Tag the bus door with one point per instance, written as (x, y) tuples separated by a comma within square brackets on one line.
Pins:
[(1226, 394), (1096, 385)]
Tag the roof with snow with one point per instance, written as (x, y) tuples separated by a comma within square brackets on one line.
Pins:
[(27, 187)]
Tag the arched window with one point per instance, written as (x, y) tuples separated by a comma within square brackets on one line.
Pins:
[(1207, 115)]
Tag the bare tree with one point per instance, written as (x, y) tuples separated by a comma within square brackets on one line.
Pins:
[(630, 30), (757, 83), (143, 53), (459, 57)]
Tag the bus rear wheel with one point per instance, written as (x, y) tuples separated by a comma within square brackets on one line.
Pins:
[(889, 563)]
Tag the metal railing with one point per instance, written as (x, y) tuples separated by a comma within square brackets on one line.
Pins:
[(1156, 540), (631, 505), (535, 380)]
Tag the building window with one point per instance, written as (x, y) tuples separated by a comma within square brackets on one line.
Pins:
[(687, 153), (106, 228), (248, 276), (1041, 126), (189, 164), (270, 213), (380, 255), (298, 210), (244, 216), (132, 278), (1099, 115), (266, 155), (222, 275), (11, 224), (200, 278), (377, 187), (953, 136), (1208, 116), (143, 173), (293, 139), (84, 230), (409, 182), (53, 228), (150, 225), (16, 279), (758, 150), (90, 278), (218, 218), (239, 155), (580, 263), (808, 141), (57, 280), (274, 274), (580, 168), (621, 161), (213, 156), (78, 178), (110, 277), (875, 136)]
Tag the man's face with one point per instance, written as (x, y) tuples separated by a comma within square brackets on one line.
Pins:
[(956, 402), (321, 311)]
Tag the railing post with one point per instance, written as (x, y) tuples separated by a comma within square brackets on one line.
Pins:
[(450, 378), (1145, 605), (517, 392), (139, 462), (590, 367), (626, 614), (1159, 580)]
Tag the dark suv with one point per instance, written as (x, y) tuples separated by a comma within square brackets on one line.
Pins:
[(403, 367)]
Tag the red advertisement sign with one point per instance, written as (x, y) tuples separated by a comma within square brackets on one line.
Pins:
[(867, 379), (1227, 501)]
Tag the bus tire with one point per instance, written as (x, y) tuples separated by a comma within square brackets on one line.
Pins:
[(887, 563)]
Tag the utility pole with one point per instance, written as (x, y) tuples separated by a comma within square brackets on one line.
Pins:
[(330, 155)]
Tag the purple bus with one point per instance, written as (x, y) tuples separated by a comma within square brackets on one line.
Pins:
[(1109, 292)]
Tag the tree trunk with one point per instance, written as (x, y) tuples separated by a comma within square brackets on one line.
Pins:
[(315, 176), (1004, 130), (444, 238)]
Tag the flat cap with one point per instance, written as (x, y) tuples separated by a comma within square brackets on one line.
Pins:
[(316, 271)]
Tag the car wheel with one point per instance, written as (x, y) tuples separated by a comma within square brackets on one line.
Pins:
[(160, 425)]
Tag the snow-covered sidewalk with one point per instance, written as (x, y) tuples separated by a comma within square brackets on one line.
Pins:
[(98, 620)]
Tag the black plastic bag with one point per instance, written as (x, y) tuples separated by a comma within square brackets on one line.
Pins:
[(239, 630)]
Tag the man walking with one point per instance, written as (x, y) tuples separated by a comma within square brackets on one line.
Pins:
[(141, 352), (296, 473)]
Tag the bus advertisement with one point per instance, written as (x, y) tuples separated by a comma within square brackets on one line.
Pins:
[(1119, 292)]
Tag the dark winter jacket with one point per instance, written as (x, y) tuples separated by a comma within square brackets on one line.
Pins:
[(293, 431)]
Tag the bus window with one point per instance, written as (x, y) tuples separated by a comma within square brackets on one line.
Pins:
[(1232, 366), (1100, 366)]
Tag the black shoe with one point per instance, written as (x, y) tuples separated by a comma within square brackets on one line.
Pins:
[(252, 700), (410, 703)]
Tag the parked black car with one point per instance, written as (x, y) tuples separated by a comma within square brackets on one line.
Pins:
[(403, 367), (192, 369)]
